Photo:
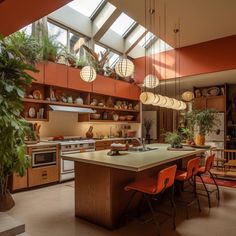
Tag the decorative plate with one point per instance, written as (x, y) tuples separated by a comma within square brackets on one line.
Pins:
[(32, 112), (37, 94), (213, 91), (205, 92)]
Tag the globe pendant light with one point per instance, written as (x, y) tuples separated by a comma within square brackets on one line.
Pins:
[(183, 106), (169, 103), (147, 97), (156, 100), (124, 68), (88, 74), (163, 101), (176, 104), (151, 81), (188, 96)]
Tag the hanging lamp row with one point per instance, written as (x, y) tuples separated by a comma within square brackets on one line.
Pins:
[(149, 98)]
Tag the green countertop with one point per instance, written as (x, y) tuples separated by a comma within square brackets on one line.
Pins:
[(133, 161)]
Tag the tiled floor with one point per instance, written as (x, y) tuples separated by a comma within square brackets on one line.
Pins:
[(49, 211)]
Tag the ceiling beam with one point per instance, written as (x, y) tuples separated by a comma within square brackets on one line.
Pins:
[(136, 42), (107, 25)]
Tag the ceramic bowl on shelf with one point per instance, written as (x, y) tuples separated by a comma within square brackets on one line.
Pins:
[(129, 117), (122, 118), (115, 117), (95, 116)]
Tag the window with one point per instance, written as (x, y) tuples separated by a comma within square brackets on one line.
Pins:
[(75, 42), (146, 39), (113, 59), (27, 29), (122, 24), (99, 49), (85, 7), (136, 34), (59, 33)]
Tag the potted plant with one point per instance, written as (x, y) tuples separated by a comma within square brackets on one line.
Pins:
[(204, 121), (13, 79), (147, 125), (174, 139), (187, 134)]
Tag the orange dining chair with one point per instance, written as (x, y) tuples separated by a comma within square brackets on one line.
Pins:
[(188, 175), (149, 187), (207, 169)]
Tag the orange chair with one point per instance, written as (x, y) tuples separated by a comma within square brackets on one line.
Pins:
[(150, 187), (203, 170), (188, 175)]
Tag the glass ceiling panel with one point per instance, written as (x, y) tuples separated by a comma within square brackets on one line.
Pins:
[(146, 39), (122, 24), (85, 7), (104, 15), (59, 33), (27, 29), (134, 36), (113, 58), (99, 49)]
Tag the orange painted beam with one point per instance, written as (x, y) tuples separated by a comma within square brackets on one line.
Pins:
[(14, 14), (212, 56)]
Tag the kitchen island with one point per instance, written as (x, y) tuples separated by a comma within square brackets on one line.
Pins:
[(100, 179)]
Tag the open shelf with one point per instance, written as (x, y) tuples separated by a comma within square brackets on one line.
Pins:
[(36, 119)]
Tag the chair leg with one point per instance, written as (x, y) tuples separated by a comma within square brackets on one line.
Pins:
[(195, 194), (208, 194), (171, 194), (217, 187), (153, 213)]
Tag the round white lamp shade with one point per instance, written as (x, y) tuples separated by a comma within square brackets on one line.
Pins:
[(183, 105), (188, 96), (147, 97), (176, 104), (156, 100), (151, 81), (124, 68), (88, 74), (163, 101), (169, 103)]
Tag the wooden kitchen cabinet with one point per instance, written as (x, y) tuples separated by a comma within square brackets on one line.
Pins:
[(218, 103), (122, 89), (134, 92), (38, 76), (102, 145), (43, 175), (104, 85), (18, 182), (75, 82), (55, 74), (199, 103)]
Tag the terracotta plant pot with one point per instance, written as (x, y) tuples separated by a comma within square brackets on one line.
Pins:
[(200, 140), (6, 202)]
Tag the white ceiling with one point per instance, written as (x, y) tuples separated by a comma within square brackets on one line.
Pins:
[(200, 20)]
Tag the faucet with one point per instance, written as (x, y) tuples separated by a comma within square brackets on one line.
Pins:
[(141, 142)]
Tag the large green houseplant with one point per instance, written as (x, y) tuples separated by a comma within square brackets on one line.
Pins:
[(13, 79), (204, 121)]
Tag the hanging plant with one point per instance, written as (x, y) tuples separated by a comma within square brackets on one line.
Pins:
[(13, 79)]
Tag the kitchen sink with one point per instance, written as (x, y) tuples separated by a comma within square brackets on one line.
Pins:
[(142, 149)]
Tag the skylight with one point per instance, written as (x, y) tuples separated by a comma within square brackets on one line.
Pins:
[(85, 7), (99, 49), (137, 33), (122, 24), (146, 39), (27, 29), (59, 33), (113, 58)]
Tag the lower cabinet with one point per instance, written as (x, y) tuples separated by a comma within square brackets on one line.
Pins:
[(102, 145), (19, 182), (43, 175)]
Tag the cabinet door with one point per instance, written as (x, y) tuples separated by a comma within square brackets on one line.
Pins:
[(43, 175), (75, 82), (19, 182), (134, 92), (39, 76), (217, 103), (104, 85), (199, 103), (122, 89), (56, 74)]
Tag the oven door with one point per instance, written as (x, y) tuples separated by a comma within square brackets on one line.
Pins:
[(44, 158)]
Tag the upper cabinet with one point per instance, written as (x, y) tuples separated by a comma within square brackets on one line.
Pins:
[(75, 82), (56, 74), (38, 76), (210, 98), (134, 92), (104, 85)]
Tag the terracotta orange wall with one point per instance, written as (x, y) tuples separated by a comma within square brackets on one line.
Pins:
[(14, 14), (207, 57)]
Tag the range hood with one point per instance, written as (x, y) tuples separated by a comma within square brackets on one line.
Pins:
[(72, 109)]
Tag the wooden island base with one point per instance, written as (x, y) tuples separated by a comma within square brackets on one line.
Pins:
[(99, 191)]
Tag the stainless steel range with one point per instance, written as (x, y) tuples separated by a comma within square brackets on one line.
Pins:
[(73, 145)]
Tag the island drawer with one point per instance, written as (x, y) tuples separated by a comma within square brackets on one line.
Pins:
[(103, 143)]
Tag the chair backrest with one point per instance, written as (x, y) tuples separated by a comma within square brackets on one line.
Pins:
[(209, 162), (166, 178), (192, 167)]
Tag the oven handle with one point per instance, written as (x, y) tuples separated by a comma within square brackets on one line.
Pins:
[(43, 150), (77, 151)]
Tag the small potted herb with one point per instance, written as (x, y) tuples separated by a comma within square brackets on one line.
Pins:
[(174, 139)]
